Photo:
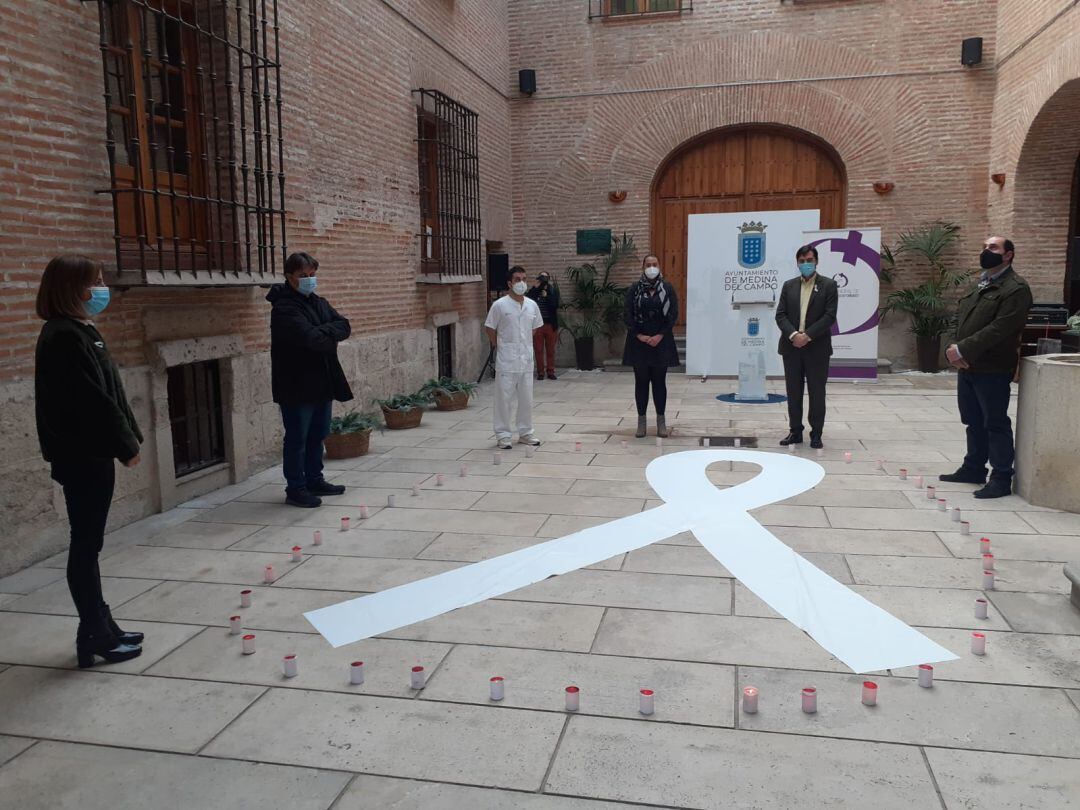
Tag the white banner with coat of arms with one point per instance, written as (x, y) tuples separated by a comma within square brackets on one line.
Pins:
[(750, 253)]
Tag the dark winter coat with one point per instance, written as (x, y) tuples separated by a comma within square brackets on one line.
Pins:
[(304, 335), (651, 321), (82, 411), (989, 323)]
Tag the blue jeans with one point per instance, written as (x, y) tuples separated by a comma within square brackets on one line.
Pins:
[(984, 407), (302, 454)]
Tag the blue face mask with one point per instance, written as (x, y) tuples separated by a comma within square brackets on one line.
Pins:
[(807, 269), (307, 285), (99, 299)]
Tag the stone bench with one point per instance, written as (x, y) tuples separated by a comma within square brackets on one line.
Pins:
[(1072, 573)]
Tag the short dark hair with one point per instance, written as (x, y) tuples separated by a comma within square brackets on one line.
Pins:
[(64, 281), (300, 261), (806, 249), (517, 268), (1009, 246)]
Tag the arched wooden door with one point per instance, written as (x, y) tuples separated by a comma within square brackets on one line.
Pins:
[(759, 168)]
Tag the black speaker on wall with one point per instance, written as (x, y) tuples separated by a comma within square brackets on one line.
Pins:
[(527, 81), (498, 271), (971, 51)]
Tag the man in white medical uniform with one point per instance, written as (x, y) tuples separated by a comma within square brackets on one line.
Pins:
[(510, 325)]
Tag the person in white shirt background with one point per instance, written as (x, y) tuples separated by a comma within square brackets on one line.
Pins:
[(510, 325)]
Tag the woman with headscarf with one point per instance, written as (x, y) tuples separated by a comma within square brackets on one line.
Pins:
[(652, 310)]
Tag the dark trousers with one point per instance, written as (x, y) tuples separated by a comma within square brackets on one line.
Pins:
[(812, 368), (306, 426), (984, 408), (88, 490), (655, 376), (544, 340)]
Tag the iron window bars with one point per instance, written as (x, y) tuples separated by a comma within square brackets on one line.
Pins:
[(451, 248), (193, 136), (637, 8)]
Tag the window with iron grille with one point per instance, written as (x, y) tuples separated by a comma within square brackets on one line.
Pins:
[(637, 8), (451, 249), (193, 136), (194, 391), (444, 344)]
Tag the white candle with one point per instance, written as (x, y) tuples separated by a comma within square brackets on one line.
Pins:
[(965, 527), (245, 598), (847, 458), (464, 470), (577, 447), (645, 701), (289, 666), (820, 452), (981, 611), (235, 626), (316, 538), (417, 678), (750, 697), (391, 500), (439, 480), (988, 581), (954, 514), (364, 512), (931, 493), (988, 561), (268, 574), (623, 444), (248, 644), (918, 482), (926, 676), (530, 451), (356, 673), (573, 698), (978, 644), (809, 700), (903, 474), (737, 442), (498, 687), (791, 448), (345, 521), (984, 545), (941, 504), (297, 554), (659, 442), (496, 459), (869, 693)]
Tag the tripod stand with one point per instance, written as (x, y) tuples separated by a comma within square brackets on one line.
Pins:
[(489, 363)]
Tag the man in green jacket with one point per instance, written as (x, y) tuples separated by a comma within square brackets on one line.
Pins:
[(989, 322)]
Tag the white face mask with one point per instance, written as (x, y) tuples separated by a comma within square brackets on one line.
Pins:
[(652, 272), (520, 288)]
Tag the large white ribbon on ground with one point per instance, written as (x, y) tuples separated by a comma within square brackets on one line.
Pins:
[(856, 631)]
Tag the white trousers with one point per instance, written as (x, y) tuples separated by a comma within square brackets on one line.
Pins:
[(508, 387)]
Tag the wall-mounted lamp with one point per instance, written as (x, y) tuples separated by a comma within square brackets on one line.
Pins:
[(616, 196), (884, 188), (999, 178)]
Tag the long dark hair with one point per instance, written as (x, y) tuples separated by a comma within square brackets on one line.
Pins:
[(63, 283)]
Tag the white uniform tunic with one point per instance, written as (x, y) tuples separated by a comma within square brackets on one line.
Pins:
[(513, 323)]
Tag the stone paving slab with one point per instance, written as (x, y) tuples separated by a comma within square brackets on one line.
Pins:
[(357, 542), (1054, 522), (741, 640), (928, 607), (194, 534), (49, 641), (368, 792), (564, 472), (456, 520), (164, 714), (562, 525), (214, 655), (1038, 612), (355, 497), (517, 484), (662, 558), (860, 541), (197, 565), (631, 590), (62, 775), (447, 468), (333, 573), (783, 515), (56, 598), (277, 514), (965, 499), (833, 496), (210, 604), (927, 572), (408, 738), (476, 547), (977, 779), (30, 579), (699, 694), (563, 505), (9, 598), (625, 760), (926, 520), (1012, 719), (1035, 547), (11, 747)]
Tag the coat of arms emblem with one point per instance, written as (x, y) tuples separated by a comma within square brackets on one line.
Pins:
[(752, 245)]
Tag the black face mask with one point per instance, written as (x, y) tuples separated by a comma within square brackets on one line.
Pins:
[(988, 260)]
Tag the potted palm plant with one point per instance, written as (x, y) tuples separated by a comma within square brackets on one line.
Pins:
[(350, 434), (931, 304), (403, 411), (449, 394), (595, 304)]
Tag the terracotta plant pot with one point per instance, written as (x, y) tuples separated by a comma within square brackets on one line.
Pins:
[(347, 445), (451, 401), (402, 420)]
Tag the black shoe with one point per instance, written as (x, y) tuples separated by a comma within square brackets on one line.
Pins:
[(324, 487), (301, 497), (964, 476), (791, 438), (815, 442), (539, 376), (995, 489), (88, 649), (551, 375), (122, 636)]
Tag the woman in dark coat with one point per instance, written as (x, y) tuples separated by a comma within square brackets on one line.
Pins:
[(84, 422), (652, 310)]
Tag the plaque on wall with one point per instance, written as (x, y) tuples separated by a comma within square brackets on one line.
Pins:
[(595, 240)]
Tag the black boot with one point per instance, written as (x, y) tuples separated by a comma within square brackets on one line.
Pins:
[(324, 487), (91, 646), (965, 475), (302, 498), (795, 437), (122, 636), (815, 441), (996, 488)]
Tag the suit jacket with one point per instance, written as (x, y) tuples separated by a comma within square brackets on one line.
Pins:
[(820, 315), (989, 323)]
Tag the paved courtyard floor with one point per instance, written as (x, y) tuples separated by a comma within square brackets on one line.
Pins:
[(194, 723)]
